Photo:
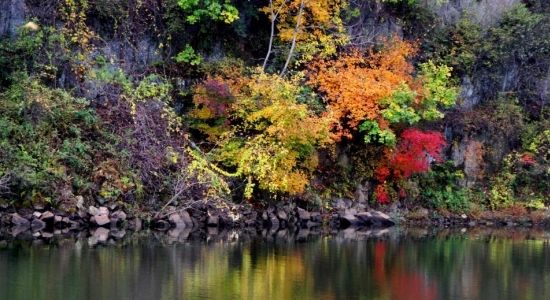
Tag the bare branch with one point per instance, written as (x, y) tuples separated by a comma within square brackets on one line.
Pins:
[(290, 52)]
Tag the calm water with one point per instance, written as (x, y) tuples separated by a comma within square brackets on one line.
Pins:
[(395, 264)]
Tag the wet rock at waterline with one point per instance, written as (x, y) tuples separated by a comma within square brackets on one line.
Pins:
[(19, 221)]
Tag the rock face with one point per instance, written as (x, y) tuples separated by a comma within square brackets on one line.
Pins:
[(12, 15)]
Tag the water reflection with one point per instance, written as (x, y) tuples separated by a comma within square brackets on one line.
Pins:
[(479, 263)]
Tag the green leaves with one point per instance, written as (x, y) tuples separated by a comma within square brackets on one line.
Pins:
[(218, 10), (437, 91), (400, 106), (375, 134)]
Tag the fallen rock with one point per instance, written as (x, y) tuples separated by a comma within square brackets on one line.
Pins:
[(282, 215), (104, 210), (349, 220)]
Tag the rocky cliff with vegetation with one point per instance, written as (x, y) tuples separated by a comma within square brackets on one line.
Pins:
[(398, 104)]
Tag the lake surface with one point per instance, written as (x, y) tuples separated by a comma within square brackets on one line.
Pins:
[(479, 263)]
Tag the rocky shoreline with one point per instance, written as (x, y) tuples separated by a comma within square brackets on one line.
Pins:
[(345, 214), (199, 215)]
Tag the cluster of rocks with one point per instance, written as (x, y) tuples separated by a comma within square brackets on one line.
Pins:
[(348, 214), (44, 222), (201, 215)]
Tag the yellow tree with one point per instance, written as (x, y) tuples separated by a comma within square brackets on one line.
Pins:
[(309, 27), (260, 130)]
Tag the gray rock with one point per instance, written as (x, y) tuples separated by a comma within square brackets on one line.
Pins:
[(39, 205), (94, 211), (302, 214), (38, 224), (375, 218), (186, 218), (37, 214), (176, 221), (104, 210), (212, 221), (101, 220), (349, 220), (12, 16), (119, 216), (19, 221), (282, 215), (58, 221), (47, 216)]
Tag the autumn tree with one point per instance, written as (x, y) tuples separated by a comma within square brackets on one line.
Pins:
[(377, 95), (308, 27), (369, 91), (261, 132)]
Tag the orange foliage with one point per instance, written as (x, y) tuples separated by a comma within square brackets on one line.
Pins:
[(354, 84)]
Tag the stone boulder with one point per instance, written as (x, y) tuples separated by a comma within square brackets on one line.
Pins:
[(375, 218), (366, 219), (19, 221)]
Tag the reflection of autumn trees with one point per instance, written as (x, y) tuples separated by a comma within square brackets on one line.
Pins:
[(481, 264)]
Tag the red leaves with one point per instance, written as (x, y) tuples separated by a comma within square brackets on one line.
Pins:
[(381, 194), (382, 173), (216, 96), (414, 154)]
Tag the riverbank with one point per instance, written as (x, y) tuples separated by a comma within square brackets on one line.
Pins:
[(345, 214)]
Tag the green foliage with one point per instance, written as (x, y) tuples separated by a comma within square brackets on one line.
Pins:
[(438, 188), (400, 107), (457, 46), (437, 90), (189, 56), (42, 52), (221, 10), (43, 137), (375, 134)]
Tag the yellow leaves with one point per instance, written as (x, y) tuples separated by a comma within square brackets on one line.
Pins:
[(269, 138), (320, 30)]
